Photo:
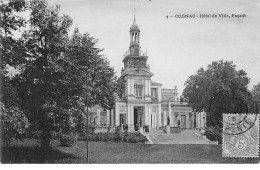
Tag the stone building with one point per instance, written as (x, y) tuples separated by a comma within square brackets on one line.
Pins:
[(144, 101)]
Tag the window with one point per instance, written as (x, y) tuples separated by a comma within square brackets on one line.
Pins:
[(138, 91), (154, 93), (103, 118)]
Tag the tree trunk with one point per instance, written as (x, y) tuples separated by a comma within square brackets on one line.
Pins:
[(109, 120), (46, 139), (45, 131)]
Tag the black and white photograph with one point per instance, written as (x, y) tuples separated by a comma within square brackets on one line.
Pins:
[(129, 82)]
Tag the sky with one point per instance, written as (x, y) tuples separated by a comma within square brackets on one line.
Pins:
[(176, 47)]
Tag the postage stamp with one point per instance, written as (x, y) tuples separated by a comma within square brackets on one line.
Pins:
[(240, 135)]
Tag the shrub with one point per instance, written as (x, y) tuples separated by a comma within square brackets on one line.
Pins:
[(132, 140), (118, 136), (14, 123), (67, 140), (214, 133), (91, 137)]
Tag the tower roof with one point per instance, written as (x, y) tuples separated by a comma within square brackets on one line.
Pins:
[(134, 26)]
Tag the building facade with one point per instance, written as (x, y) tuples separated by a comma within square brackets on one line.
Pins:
[(144, 101)]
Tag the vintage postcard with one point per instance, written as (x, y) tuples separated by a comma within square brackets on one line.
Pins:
[(130, 81)]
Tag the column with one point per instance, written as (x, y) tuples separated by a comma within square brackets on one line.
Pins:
[(128, 115), (143, 117), (154, 119), (164, 118), (159, 116), (145, 88), (131, 90), (146, 115), (149, 117), (170, 113), (149, 87), (128, 87), (132, 116), (172, 116), (132, 86)]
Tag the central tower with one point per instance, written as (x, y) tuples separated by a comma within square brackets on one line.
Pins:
[(136, 72), (133, 57), (141, 100)]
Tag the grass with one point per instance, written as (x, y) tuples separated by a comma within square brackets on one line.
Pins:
[(29, 151), (115, 153)]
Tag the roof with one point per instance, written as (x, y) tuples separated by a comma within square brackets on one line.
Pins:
[(155, 84), (169, 94), (134, 27), (169, 91)]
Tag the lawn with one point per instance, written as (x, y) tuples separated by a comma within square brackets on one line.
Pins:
[(109, 152)]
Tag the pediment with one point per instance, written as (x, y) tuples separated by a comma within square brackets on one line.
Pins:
[(137, 71)]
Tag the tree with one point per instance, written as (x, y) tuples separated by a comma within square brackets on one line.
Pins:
[(256, 94), (13, 120), (11, 22), (91, 74), (41, 86), (110, 91), (219, 89), (10, 47), (109, 99)]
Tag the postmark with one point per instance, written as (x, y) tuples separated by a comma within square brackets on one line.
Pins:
[(240, 135)]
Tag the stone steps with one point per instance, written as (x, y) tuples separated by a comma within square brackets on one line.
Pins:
[(186, 137)]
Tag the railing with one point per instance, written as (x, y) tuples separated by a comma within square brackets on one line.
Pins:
[(140, 52), (139, 97)]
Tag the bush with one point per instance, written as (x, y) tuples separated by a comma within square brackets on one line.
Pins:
[(118, 136), (67, 140), (214, 133), (14, 124)]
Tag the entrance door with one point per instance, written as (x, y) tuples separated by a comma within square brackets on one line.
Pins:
[(135, 117), (183, 121)]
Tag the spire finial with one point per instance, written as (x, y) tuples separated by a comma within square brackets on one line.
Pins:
[(134, 15)]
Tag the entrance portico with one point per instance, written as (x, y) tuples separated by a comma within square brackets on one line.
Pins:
[(141, 114)]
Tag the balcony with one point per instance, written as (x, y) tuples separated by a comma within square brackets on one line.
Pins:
[(144, 54), (139, 97)]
